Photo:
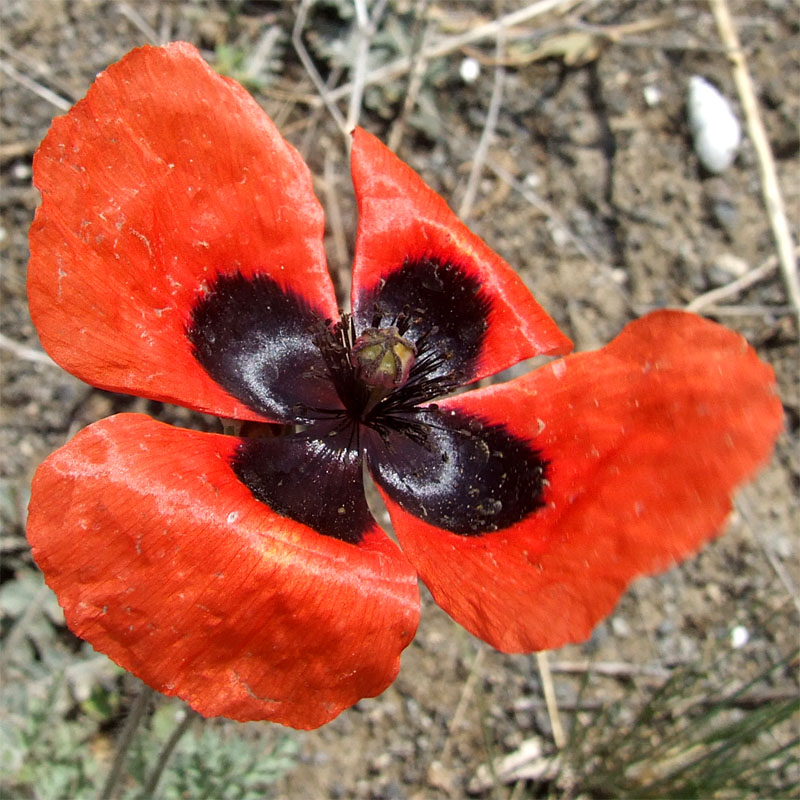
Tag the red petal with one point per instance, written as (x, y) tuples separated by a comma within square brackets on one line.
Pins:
[(646, 440), (163, 560), (401, 218), (163, 177)]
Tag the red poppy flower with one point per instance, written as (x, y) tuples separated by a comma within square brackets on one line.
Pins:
[(178, 255)]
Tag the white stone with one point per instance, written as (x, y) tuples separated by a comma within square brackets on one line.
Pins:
[(715, 129), (652, 95), (469, 70), (740, 636)]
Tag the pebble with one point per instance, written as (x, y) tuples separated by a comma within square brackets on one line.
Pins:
[(652, 95), (620, 627), (469, 70), (721, 201), (740, 636), (715, 128)]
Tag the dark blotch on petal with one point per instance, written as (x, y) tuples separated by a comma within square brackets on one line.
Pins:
[(314, 481), (254, 339), (439, 307), (457, 472)]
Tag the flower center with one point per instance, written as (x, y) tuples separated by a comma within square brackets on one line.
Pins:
[(380, 375), (382, 358)]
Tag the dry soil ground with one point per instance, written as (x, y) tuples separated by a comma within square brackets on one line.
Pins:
[(590, 187)]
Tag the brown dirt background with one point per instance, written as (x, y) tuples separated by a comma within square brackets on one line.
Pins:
[(608, 171)]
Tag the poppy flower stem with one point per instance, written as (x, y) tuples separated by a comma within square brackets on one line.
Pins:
[(135, 716), (163, 757)]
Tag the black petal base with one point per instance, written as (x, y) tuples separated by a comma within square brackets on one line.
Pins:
[(314, 478), (456, 472)]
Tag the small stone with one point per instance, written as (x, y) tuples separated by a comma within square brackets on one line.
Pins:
[(620, 627), (740, 636), (439, 777), (382, 762), (725, 214), (714, 593), (469, 70), (532, 180), (721, 203), (619, 276), (652, 95), (21, 172), (715, 128)]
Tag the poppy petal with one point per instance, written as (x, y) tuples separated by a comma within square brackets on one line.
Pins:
[(644, 441), (163, 178), (165, 561), (415, 257)]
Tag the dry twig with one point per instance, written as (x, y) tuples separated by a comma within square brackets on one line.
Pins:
[(25, 353), (366, 30), (527, 763), (770, 187), (41, 69), (140, 23), (334, 217), (34, 86), (614, 669), (479, 159), (324, 93), (576, 44), (450, 44), (550, 699), (11, 150), (463, 701), (311, 121), (418, 64), (747, 311), (763, 270), (259, 58)]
